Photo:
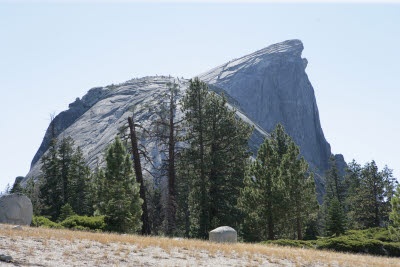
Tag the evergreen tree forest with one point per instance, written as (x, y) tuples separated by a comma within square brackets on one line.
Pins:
[(208, 178)]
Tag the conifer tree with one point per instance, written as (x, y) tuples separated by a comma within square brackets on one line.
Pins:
[(193, 105), (65, 155), (65, 212), (299, 187), (279, 191), (146, 229), (32, 191), (17, 188), (217, 156), (336, 220), (121, 202), (261, 195), (352, 180), (227, 139), (79, 185), (370, 193), (334, 184), (335, 187), (167, 129), (51, 189), (394, 228), (185, 171)]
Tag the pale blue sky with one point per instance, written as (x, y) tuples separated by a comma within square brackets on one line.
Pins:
[(52, 53)]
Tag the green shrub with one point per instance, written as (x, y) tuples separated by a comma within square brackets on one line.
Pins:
[(375, 241), (392, 249), (84, 223), (39, 221), (377, 233), (346, 244), (291, 243)]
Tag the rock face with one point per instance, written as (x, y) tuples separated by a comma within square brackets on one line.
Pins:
[(272, 87), (96, 128), (223, 234), (16, 209), (266, 87)]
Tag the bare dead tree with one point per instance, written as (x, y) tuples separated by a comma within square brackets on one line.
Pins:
[(167, 129), (146, 230)]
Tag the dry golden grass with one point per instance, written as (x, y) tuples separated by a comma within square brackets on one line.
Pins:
[(253, 254)]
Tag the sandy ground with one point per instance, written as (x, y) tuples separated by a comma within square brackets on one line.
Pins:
[(47, 247)]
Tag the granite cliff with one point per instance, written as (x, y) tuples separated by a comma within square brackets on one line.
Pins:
[(266, 87), (272, 87)]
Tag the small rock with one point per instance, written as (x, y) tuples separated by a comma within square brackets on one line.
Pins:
[(18, 227), (223, 234), (6, 258)]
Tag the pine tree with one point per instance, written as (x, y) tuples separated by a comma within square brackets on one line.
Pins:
[(299, 188), (79, 185), (120, 203), (193, 105), (217, 155), (183, 188), (167, 129), (370, 193), (334, 184), (65, 212), (335, 187), (279, 192), (65, 155), (51, 189), (336, 220), (32, 191), (227, 139), (146, 229), (352, 181), (261, 195), (17, 187), (394, 228)]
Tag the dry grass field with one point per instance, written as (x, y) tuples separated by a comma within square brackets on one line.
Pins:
[(50, 247)]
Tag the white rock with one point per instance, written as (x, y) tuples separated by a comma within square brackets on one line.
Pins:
[(16, 209), (223, 234)]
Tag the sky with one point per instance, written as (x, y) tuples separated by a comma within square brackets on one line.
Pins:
[(51, 53)]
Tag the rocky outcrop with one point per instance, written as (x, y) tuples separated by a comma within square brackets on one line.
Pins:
[(272, 87), (16, 209), (98, 126), (66, 118), (267, 87), (223, 234)]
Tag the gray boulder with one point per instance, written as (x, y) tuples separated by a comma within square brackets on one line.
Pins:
[(223, 234), (6, 258), (16, 209)]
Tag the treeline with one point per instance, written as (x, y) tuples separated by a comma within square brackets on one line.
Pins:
[(360, 199), (207, 178)]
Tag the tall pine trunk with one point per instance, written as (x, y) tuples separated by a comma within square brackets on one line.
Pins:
[(270, 222), (203, 197), (146, 230), (171, 171), (299, 226)]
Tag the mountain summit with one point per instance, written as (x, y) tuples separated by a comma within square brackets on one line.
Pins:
[(267, 87), (272, 87)]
